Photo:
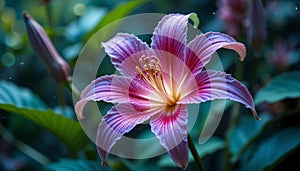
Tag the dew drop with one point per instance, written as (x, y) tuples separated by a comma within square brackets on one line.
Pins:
[(296, 8), (214, 13)]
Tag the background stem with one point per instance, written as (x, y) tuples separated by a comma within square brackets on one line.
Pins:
[(234, 113), (49, 15), (195, 154)]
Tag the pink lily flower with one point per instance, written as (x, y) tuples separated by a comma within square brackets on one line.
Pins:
[(158, 82)]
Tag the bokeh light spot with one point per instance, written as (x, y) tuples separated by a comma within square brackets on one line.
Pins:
[(8, 59), (14, 40), (8, 15), (79, 9)]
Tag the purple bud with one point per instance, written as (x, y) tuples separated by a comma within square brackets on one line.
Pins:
[(256, 28), (45, 50)]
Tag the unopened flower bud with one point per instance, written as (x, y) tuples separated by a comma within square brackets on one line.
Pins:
[(256, 28), (45, 50)]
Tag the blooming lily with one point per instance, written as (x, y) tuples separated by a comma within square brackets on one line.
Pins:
[(158, 82)]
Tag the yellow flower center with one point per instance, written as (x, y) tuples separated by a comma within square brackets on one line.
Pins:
[(151, 73)]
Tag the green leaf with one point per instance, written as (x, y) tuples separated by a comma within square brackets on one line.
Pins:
[(23, 102), (286, 85), (210, 146), (245, 133), (271, 151), (117, 13), (21, 97), (82, 165)]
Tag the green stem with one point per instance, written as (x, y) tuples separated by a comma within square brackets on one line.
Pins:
[(60, 96), (49, 14), (239, 70), (32, 153), (255, 61), (195, 154), (74, 90), (232, 123)]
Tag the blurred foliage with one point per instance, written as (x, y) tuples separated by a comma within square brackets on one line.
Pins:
[(37, 114)]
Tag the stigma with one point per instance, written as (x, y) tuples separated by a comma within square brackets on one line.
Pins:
[(150, 70)]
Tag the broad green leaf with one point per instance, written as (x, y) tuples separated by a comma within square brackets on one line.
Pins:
[(66, 111), (210, 146), (117, 13), (21, 97), (23, 102), (286, 85), (82, 165), (271, 151), (244, 134)]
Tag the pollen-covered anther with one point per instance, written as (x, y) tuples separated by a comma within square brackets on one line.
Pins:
[(151, 73)]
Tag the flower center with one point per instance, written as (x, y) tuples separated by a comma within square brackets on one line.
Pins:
[(151, 73)]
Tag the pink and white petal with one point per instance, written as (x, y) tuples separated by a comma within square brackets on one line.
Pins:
[(175, 71), (200, 50), (170, 34), (115, 89), (123, 46), (213, 85), (118, 121), (171, 129)]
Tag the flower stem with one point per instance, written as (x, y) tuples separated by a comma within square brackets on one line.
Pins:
[(195, 154), (60, 95), (49, 15), (239, 71), (74, 90)]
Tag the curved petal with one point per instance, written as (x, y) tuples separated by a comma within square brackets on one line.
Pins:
[(213, 85), (170, 34), (122, 46), (171, 129), (118, 121), (200, 50), (115, 89)]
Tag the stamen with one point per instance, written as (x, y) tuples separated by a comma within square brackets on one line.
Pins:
[(151, 73)]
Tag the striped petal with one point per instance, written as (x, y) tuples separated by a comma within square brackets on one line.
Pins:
[(118, 121), (171, 129), (123, 46), (170, 34), (213, 85), (200, 50), (115, 89)]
